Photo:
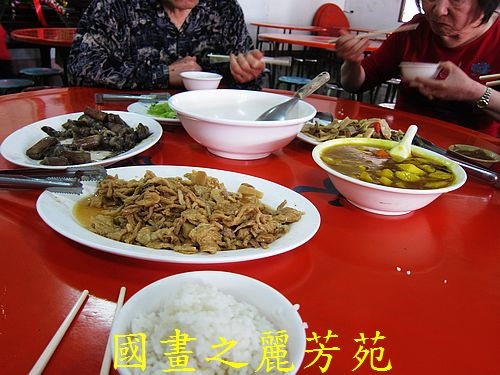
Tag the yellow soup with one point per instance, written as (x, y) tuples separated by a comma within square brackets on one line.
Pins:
[(374, 165)]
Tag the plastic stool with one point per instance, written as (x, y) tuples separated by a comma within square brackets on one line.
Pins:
[(12, 85), (392, 90), (387, 105), (40, 75), (300, 65), (332, 88), (293, 81)]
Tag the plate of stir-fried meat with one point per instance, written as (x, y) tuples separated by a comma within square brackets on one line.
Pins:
[(91, 137), (318, 131), (183, 215)]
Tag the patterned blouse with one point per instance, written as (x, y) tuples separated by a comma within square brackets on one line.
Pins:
[(129, 44)]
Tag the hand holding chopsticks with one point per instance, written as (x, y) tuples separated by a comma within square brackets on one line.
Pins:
[(488, 77), (51, 347)]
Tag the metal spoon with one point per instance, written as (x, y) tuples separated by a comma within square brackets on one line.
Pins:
[(280, 111), (324, 116), (402, 150)]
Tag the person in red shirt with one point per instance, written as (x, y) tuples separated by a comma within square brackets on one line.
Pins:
[(463, 36)]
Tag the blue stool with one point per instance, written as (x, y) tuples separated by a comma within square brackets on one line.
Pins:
[(293, 81), (301, 67), (12, 85), (40, 75)]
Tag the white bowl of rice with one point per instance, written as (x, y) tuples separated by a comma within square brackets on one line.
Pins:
[(210, 309)]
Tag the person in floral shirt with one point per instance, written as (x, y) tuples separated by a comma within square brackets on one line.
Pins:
[(145, 44)]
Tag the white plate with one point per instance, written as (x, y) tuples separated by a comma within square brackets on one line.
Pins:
[(270, 303), (304, 137), (14, 147), (57, 211), (142, 109)]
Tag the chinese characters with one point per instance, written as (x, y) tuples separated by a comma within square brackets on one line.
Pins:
[(130, 351)]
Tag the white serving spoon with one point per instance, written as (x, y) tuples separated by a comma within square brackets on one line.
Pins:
[(402, 150)]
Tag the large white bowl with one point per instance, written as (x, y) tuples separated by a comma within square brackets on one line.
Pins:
[(411, 70), (381, 199), (224, 121), (200, 80), (271, 303)]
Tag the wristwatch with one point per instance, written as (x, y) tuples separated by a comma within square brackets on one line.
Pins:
[(484, 100)]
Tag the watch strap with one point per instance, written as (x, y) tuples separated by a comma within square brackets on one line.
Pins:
[(484, 100)]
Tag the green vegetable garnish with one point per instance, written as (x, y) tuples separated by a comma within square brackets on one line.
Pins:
[(161, 110)]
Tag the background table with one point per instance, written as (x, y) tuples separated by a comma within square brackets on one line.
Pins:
[(47, 36), (59, 38), (317, 48), (314, 41), (285, 27), (427, 281)]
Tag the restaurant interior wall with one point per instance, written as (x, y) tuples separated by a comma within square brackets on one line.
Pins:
[(373, 14), (293, 12)]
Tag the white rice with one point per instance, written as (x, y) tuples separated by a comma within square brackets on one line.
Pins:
[(205, 313)]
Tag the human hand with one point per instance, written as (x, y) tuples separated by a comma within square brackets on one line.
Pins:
[(451, 84), (246, 66), (186, 64), (350, 48)]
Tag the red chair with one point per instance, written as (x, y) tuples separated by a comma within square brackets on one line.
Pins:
[(331, 17)]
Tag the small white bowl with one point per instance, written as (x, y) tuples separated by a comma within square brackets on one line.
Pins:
[(412, 70), (269, 302), (200, 80), (386, 200), (225, 122)]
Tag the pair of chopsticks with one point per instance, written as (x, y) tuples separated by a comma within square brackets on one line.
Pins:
[(56, 339), (495, 77), (371, 34), (283, 61)]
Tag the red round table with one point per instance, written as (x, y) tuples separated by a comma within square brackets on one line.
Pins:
[(414, 294)]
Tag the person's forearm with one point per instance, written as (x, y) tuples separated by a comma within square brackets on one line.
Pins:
[(353, 76), (87, 70)]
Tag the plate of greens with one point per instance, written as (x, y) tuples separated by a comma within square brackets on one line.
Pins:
[(160, 111)]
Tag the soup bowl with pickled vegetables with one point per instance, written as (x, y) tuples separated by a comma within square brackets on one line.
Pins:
[(364, 173)]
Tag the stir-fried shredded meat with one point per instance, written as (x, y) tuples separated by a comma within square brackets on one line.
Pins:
[(188, 215)]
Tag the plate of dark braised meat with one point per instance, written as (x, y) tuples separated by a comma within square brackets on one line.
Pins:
[(91, 137)]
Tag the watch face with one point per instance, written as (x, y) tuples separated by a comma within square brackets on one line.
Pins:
[(482, 103)]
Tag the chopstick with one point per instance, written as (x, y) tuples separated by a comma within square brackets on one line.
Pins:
[(493, 83), (491, 76), (400, 29), (283, 61), (106, 361), (54, 342)]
